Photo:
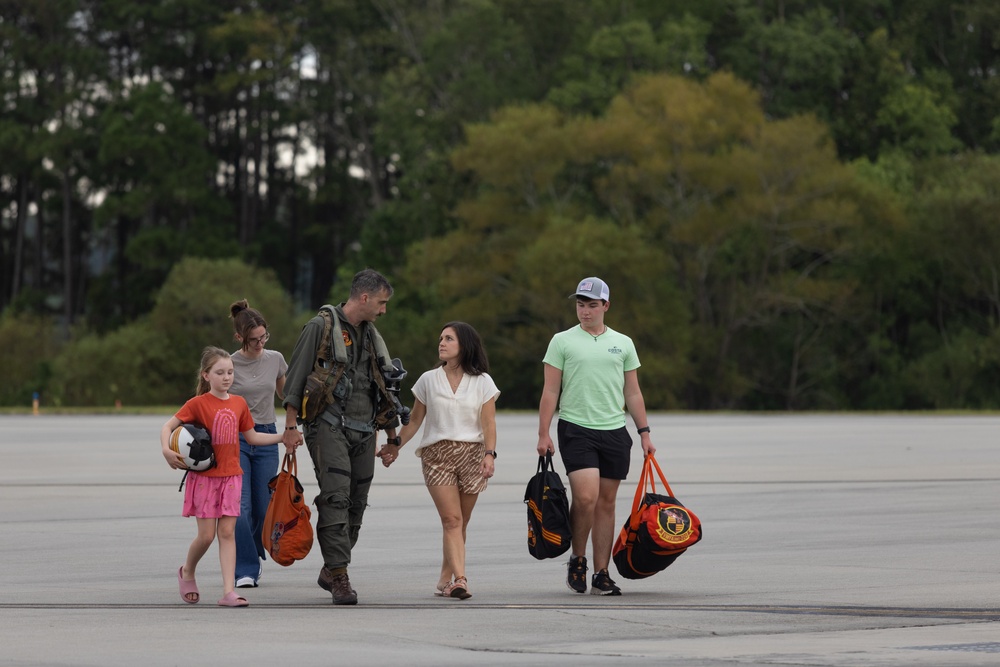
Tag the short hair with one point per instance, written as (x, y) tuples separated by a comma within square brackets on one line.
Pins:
[(209, 357), (471, 351), (369, 281), (245, 320)]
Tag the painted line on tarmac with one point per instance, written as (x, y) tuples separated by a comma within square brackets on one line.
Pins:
[(609, 605), (734, 482)]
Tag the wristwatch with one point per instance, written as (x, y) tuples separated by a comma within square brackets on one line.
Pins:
[(644, 429), (492, 452), (393, 441)]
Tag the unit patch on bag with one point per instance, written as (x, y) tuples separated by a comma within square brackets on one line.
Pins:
[(658, 530), (672, 525)]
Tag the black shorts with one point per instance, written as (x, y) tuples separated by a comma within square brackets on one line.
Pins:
[(582, 447)]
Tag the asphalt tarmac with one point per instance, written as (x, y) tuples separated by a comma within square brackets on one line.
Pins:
[(842, 540)]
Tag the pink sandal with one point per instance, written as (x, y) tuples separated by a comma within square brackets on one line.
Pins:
[(231, 599), (187, 587)]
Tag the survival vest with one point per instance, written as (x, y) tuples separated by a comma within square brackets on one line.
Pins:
[(321, 387)]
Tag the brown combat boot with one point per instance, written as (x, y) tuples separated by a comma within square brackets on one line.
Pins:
[(342, 591)]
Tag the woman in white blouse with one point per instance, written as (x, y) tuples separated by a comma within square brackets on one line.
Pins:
[(457, 399)]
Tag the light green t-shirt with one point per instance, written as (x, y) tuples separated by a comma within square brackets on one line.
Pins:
[(593, 376)]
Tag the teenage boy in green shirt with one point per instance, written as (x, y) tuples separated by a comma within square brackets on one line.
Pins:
[(591, 377)]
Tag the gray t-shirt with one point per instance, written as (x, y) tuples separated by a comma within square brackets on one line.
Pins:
[(255, 380)]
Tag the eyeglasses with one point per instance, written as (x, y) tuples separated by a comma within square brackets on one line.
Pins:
[(258, 341)]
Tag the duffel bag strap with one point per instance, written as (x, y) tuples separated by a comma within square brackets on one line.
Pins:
[(289, 465), (652, 460), (640, 493)]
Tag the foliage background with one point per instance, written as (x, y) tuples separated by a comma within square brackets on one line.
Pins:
[(795, 203)]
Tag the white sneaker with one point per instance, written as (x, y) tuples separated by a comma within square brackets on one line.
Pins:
[(246, 582)]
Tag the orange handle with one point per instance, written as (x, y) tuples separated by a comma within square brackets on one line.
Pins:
[(290, 465), (646, 478)]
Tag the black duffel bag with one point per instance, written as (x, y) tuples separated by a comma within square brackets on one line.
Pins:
[(549, 533)]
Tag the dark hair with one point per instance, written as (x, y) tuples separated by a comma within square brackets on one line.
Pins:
[(245, 320), (369, 281), (471, 352), (209, 357)]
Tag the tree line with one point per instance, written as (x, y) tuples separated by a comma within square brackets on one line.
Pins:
[(794, 202)]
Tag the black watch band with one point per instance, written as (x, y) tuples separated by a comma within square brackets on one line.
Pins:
[(393, 441), (491, 452), (644, 429)]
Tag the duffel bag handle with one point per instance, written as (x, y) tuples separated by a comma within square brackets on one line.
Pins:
[(652, 461), (545, 462), (289, 464), (646, 479)]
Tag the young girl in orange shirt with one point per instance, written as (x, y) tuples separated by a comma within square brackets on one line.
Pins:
[(213, 496)]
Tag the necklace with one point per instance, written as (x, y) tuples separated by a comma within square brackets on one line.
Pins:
[(596, 336), (254, 368), (454, 381)]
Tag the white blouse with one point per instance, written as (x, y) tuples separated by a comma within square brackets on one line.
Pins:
[(453, 415)]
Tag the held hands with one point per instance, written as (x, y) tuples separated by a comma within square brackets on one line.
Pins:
[(388, 453), (291, 439)]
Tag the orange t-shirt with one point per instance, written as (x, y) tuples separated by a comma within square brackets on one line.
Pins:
[(224, 420)]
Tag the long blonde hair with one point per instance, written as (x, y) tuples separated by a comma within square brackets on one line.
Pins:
[(209, 356)]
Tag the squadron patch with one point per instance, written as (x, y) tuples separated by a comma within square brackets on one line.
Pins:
[(673, 524)]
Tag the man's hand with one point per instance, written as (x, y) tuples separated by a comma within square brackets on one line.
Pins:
[(647, 444), (388, 453), (291, 439)]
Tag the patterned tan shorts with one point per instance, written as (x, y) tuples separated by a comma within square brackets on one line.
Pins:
[(450, 463)]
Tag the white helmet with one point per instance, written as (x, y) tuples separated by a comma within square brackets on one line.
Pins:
[(195, 445)]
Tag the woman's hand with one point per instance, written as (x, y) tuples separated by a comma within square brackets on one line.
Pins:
[(388, 453), (488, 466)]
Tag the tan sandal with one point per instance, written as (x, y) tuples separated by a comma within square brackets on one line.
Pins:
[(458, 589)]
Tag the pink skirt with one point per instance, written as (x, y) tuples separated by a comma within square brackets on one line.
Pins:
[(212, 497)]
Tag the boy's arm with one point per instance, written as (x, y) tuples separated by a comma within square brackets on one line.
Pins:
[(547, 408), (636, 407)]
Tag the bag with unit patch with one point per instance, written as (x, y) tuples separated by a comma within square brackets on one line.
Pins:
[(287, 533), (549, 531), (658, 530)]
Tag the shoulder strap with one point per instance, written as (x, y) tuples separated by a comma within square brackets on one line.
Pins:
[(381, 351), (332, 333)]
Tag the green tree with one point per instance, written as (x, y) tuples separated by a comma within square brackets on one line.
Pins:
[(50, 68), (154, 360), (28, 343), (752, 211), (157, 207), (688, 186)]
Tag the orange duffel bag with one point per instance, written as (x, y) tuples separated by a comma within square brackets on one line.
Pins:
[(287, 533), (658, 530)]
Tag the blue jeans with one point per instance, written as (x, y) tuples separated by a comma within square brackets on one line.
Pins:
[(260, 465)]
